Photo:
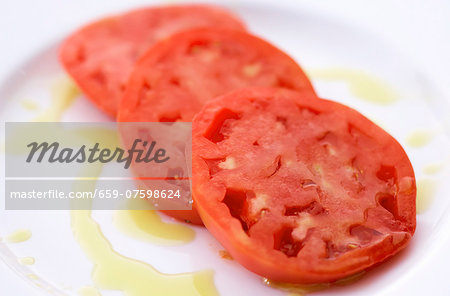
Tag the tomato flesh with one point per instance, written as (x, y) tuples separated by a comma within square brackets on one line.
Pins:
[(300, 190)]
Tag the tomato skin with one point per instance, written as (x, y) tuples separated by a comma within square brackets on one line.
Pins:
[(101, 55), (252, 247)]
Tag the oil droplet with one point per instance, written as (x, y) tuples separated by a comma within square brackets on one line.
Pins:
[(113, 271), (225, 255), (362, 85), (33, 276), (26, 260), (295, 289), (350, 279), (426, 189), (146, 225), (19, 236), (419, 138), (303, 289), (64, 91), (88, 291), (29, 105), (433, 168)]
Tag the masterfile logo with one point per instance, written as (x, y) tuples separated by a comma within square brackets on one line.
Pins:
[(98, 165)]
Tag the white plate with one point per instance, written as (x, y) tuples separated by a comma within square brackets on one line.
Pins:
[(316, 43)]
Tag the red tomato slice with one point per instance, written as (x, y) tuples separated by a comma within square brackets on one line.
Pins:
[(101, 55), (300, 190), (173, 80)]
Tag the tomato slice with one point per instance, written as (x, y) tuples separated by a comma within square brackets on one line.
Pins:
[(300, 190), (173, 80), (101, 55)]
